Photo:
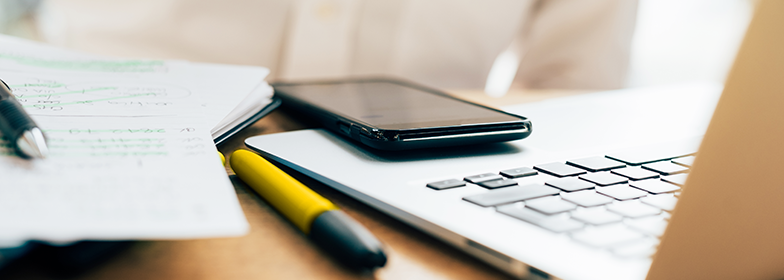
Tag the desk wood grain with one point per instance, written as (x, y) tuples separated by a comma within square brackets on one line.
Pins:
[(275, 249)]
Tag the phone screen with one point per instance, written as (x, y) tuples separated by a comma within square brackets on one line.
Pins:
[(391, 106)]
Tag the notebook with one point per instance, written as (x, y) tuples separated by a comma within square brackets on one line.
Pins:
[(148, 105), (629, 184), (256, 105), (132, 146)]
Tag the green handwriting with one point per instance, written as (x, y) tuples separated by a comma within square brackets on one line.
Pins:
[(121, 140), (109, 154), (106, 146), (119, 130), (88, 65), (51, 85), (68, 92), (89, 101)]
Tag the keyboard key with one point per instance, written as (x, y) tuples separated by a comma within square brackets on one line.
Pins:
[(604, 178), (685, 161), (559, 169), (538, 179), (665, 167), (636, 173), (654, 186), (550, 205), (621, 192), (678, 179), (483, 178), (633, 209), (595, 164), (640, 249), (446, 184), (586, 198), (642, 156), (596, 216), (510, 194), (653, 226), (665, 202), (519, 172), (498, 183), (607, 236), (556, 223), (570, 184)]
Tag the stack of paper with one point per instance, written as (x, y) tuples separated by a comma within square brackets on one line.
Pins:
[(132, 152)]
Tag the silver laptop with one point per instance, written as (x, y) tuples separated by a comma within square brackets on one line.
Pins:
[(600, 189)]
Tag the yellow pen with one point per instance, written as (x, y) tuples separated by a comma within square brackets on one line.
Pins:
[(314, 215)]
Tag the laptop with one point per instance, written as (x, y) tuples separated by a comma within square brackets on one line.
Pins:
[(628, 184)]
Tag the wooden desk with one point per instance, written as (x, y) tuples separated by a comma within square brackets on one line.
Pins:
[(275, 249)]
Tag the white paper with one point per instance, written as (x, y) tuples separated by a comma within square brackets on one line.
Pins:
[(131, 152)]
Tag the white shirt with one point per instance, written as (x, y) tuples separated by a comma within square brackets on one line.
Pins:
[(442, 43)]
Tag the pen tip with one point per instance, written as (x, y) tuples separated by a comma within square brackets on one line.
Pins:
[(376, 259), (33, 143)]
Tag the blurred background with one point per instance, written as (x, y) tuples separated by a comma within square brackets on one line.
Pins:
[(673, 41)]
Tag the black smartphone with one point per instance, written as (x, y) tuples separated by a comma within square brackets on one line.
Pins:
[(391, 114)]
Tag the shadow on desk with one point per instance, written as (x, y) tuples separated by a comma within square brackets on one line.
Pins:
[(62, 261), (354, 147)]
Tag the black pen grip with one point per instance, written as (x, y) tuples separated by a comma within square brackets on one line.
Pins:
[(347, 240), (13, 121)]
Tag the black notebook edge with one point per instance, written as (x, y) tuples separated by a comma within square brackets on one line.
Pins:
[(274, 103)]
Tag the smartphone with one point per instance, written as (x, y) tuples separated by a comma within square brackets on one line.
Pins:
[(391, 114)]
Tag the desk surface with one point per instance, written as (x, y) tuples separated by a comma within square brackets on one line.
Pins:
[(275, 249)]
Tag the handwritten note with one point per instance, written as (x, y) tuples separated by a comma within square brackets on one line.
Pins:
[(131, 152)]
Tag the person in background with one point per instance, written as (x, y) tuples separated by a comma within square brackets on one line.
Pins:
[(566, 44), (14, 14)]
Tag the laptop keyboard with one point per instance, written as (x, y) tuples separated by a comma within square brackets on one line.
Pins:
[(619, 202)]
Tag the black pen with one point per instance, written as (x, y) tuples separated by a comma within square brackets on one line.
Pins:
[(17, 126)]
